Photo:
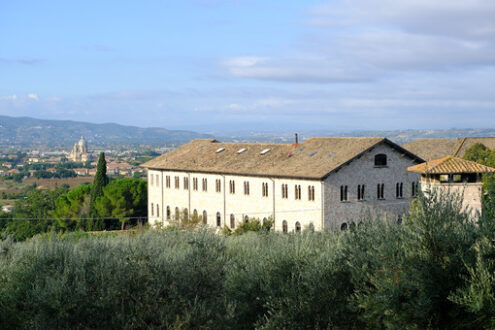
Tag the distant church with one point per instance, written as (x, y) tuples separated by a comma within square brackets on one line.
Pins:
[(79, 152)]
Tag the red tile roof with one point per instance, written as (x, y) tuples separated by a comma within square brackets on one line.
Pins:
[(450, 165)]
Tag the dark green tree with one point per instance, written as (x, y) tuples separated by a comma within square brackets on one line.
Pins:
[(100, 181), (71, 209), (124, 199), (481, 154)]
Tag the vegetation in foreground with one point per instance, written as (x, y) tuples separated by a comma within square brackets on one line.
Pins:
[(433, 271), (102, 205)]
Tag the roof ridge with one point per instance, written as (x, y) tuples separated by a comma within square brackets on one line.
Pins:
[(459, 146)]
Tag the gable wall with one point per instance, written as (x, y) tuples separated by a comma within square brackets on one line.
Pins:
[(363, 171)]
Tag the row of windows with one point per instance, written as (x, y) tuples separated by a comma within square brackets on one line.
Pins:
[(218, 184), (380, 191), (218, 218), (195, 216)]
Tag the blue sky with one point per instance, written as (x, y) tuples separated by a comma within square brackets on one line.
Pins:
[(220, 65)]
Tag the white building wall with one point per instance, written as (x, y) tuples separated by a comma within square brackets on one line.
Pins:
[(302, 210), (210, 200), (154, 196), (363, 171), (254, 205)]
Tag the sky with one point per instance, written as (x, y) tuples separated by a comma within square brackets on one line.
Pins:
[(227, 65)]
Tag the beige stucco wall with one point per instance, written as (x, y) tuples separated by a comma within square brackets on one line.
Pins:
[(254, 205), (363, 171)]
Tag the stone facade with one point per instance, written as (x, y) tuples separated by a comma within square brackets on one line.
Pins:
[(364, 172), (469, 192), (325, 210)]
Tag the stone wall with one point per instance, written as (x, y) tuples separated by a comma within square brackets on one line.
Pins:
[(470, 193), (363, 171)]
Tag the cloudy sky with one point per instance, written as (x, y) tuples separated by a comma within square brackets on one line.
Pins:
[(253, 65)]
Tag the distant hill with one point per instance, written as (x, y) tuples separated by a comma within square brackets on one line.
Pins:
[(398, 136), (406, 136), (31, 132)]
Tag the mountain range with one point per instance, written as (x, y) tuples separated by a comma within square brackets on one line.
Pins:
[(31, 132), (41, 133)]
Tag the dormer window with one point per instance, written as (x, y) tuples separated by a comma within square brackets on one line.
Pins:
[(381, 160)]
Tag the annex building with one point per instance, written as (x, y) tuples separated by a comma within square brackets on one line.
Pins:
[(320, 183)]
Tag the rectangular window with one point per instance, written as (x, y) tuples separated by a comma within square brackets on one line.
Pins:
[(157, 181), (152, 209), (157, 210), (380, 188), (343, 193), (151, 179), (264, 189), (360, 192), (176, 182), (246, 187), (205, 184), (399, 190), (285, 191), (218, 185), (167, 181), (195, 184), (297, 191), (311, 193), (414, 189), (232, 186), (186, 183)]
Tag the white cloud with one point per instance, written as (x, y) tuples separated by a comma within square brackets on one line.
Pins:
[(359, 40), (33, 96)]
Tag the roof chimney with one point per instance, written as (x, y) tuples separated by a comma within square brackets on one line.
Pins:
[(296, 140)]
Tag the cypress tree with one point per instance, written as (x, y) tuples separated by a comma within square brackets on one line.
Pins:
[(100, 181)]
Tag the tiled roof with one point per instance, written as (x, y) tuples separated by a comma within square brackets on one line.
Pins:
[(450, 165), (431, 149), (314, 158)]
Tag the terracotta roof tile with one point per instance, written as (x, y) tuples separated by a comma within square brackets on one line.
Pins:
[(450, 165), (311, 159)]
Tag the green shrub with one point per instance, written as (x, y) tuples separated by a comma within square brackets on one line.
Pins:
[(433, 271)]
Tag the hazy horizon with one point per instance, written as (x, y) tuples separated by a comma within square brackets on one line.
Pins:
[(230, 65)]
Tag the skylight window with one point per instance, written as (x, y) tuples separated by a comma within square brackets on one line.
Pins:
[(312, 154), (202, 147), (302, 149), (265, 151), (333, 153), (220, 150), (240, 151)]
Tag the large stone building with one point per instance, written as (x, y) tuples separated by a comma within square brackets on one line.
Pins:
[(80, 152), (322, 182)]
